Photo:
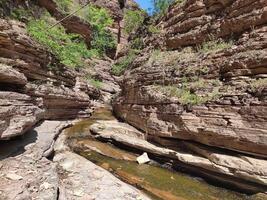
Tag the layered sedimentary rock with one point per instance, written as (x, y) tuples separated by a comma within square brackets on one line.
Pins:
[(207, 159), (72, 23), (30, 90), (194, 21), (212, 93), (82, 179)]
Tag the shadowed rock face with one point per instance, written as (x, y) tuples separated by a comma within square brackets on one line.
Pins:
[(235, 117), (29, 90)]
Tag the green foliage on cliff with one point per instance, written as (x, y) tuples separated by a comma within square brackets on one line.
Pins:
[(96, 83), (214, 45), (153, 29), (98, 18), (122, 64), (258, 84), (70, 49), (64, 5), (133, 20), (160, 6), (186, 95), (19, 13)]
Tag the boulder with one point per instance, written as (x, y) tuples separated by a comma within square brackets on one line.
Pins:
[(143, 159)]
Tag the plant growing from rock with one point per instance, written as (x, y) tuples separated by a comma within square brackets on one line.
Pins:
[(137, 43), (133, 20), (20, 13), (119, 67), (99, 18), (70, 49), (96, 83), (186, 94), (65, 5), (214, 45), (153, 29), (258, 84), (161, 6)]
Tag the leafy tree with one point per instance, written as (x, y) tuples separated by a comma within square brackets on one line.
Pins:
[(100, 19), (133, 20), (160, 6)]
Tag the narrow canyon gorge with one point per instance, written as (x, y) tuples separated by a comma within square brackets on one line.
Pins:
[(90, 87)]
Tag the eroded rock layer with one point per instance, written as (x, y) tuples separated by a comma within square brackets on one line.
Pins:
[(30, 90), (193, 21), (213, 92)]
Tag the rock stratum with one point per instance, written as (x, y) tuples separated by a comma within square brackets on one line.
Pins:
[(206, 92), (196, 96), (30, 90)]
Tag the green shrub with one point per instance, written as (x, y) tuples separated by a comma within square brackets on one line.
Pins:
[(70, 49), (64, 5), (119, 67), (96, 83), (184, 94), (100, 19), (133, 20), (153, 29), (137, 43), (19, 13), (160, 6), (93, 81), (258, 84), (214, 45)]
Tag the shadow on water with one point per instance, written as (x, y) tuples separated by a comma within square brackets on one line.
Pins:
[(156, 181), (16, 146)]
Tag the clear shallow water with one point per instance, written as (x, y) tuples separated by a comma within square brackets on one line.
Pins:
[(158, 182)]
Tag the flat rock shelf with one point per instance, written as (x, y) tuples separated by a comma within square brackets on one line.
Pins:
[(156, 179)]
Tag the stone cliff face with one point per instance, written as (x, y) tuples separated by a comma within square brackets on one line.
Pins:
[(194, 21), (34, 85), (211, 93), (30, 91), (201, 98), (38, 96)]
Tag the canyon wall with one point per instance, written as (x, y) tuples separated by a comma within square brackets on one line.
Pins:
[(30, 89), (34, 85), (209, 87)]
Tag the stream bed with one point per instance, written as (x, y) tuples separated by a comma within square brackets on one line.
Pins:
[(155, 180)]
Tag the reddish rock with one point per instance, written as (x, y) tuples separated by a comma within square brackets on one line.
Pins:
[(194, 21), (72, 23), (235, 117), (30, 91)]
